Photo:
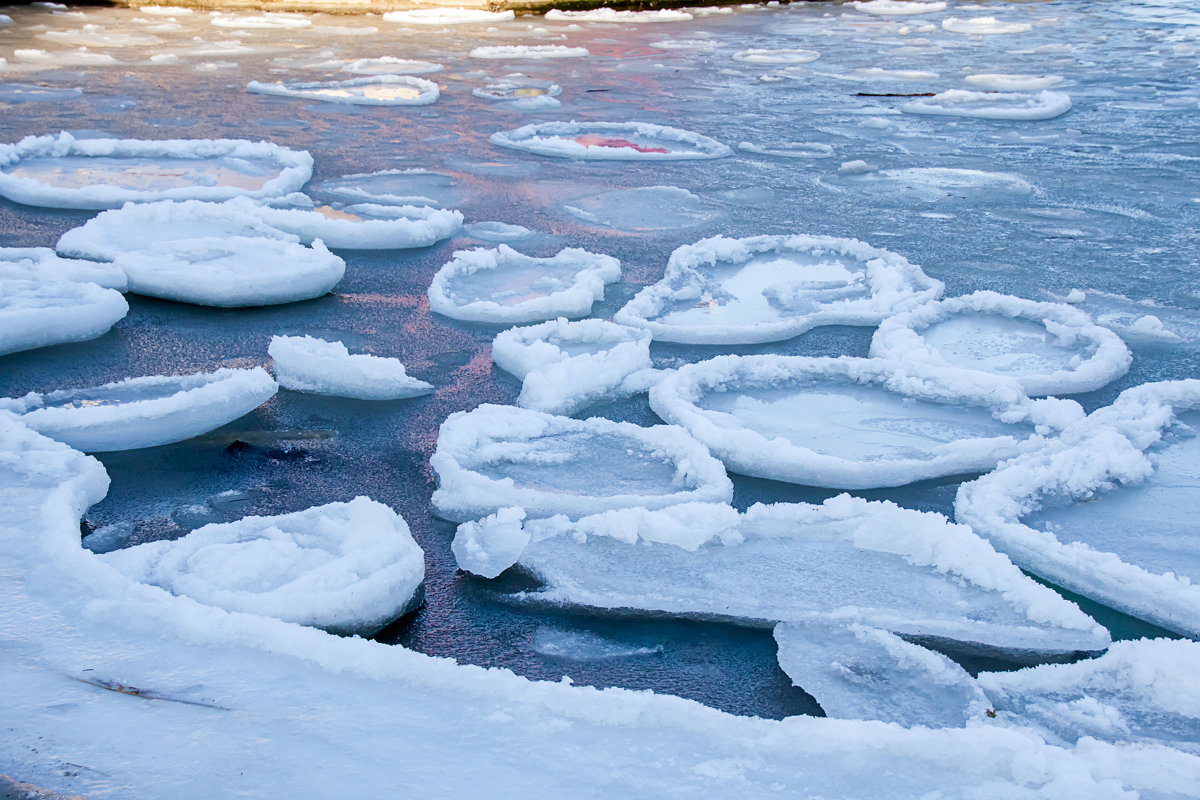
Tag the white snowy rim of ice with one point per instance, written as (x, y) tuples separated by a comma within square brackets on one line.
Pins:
[(95, 584), (296, 169), (464, 494), (1103, 451), (427, 91), (553, 139), (748, 452), (885, 271), (899, 338), (1026, 106)]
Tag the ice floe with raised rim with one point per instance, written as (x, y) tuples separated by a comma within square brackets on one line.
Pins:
[(232, 272), (1107, 511), (564, 366), (43, 264), (848, 561), (1025, 106), (1007, 82), (144, 412), (853, 423), (447, 16), (983, 26), (179, 649), (373, 90), (41, 313), (643, 208), (528, 51), (898, 8), (1139, 692), (610, 140), (769, 288), (358, 226), (390, 65), (1050, 348), (859, 672), (765, 56), (347, 568), (393, 187), (517, 87), (611, 15), (502, 286), (317, 366), (498, 456), (64, 172), (81, 57), (268, 20), (789, 149)]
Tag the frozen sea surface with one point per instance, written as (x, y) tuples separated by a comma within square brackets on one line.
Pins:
[(1112, 211)]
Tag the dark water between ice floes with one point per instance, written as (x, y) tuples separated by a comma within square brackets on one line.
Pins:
[(1113, 209)]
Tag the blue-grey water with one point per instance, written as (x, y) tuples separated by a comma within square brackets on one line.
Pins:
[(1115, 209)]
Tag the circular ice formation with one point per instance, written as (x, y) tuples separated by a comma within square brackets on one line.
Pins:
[(898, 8), (517, 88), (992, 105), (266, 21), (851, 423), (232, 272), (147, 412), (610, 140), (447, 16), (777, 56), (565, 365), (43, 264), (504, 286), (933, 184), (535, 51), (363, 226), (374, 90), (1108, 511), (983, 26), (611, 15), (1050, 348), (498, 456), (65, 172), (42, 313), (348, 568), (393, 187), (390, 65), (646, 208), (770, 288), (1013, 83), (305, 364), (790, 149)]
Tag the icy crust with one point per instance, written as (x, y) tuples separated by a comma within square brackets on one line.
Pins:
[(306, 364), (503, 286), (1140, 692), (576, 736), (497, 456), (769, 288), (42, 264), (565, 365), (858, 672), (992, 105), (1050, 348), (611, 15), (360, 226), (628, 141), (145, 412), (348, 568), (852, 423), (233, 272), (64, 172), (374, 90), (1111, 502), (898, 8), (530, 51), (41, 313), (390, 65), (848, 561), (447, 16)]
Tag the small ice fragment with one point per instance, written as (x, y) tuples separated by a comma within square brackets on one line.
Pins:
[(447, 16), (374, 90), (993, 105), (610, 140), (41, 313), (528, 51), (610, 15), (858, 167), (306, 364), (983, 26), (42, 264)]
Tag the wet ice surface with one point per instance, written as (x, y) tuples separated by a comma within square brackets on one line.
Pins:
[(1113, 212)]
